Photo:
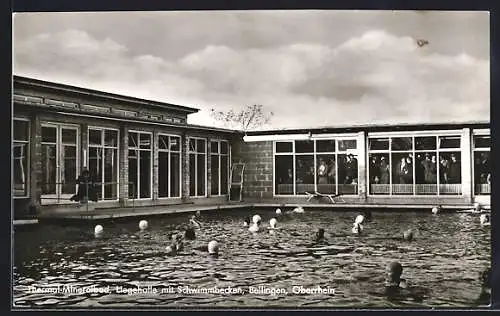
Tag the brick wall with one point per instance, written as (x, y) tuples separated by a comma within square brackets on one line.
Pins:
[(258, 175)]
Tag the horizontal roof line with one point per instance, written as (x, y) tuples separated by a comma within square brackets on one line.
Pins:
[(109, 95)]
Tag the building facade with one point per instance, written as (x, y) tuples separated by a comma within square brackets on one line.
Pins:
[(137, 151), (384, 165), (142, 153)]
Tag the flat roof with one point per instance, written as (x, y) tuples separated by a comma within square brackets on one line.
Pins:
[(373, 128), (101, 94)]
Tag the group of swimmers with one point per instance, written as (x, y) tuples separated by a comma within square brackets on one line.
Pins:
[(394, 282)]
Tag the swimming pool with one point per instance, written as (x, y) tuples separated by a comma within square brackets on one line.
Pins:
[(66, 266)]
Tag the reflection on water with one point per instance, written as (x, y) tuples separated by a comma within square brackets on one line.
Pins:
[(442, 264)]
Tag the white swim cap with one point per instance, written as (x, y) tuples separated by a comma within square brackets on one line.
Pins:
[(143, 224), (278, 211), (213, 247), (273, 222), (256, 218), (483, 219), (98, 229), (359, 219), (435, 210)]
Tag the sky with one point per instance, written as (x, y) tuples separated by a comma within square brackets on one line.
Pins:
[(310, 68)]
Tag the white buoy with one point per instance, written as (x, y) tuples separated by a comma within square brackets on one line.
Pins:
[(213, 247), (256, 218), (359, 219), (143, 224), (273, 222), (98, 230), (435, 210), (278, 211)]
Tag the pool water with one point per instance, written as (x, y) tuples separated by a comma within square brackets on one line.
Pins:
[(442, 265)]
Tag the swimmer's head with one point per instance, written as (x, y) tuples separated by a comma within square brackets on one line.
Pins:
[(436, 209), (256, 219), (198, 214), (213, 247), (98, 230), (273, 222), (484, 219), (320, 234), (189, 234), (143, 224), (394, 271), (359, 219), (408, 235), (278, 211)]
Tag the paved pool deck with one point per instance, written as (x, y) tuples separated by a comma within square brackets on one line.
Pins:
[(81, 213)]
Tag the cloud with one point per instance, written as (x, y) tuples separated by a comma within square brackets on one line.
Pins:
[(376, 77)]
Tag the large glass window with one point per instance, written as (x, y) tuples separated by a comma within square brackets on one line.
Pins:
[(197, 166), (20, 153), (482, 171), (103, 161), (169, 166), (327, 166), (421, 165), (219, 164), (60, 162), (140, 164)]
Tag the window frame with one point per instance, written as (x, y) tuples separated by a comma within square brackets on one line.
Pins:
[(103, 146), (28, 159), (139, 149), (169, 151), (413, 151), (196, 153), (335, 137), (219, 154)]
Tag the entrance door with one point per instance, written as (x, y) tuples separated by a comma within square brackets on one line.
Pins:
[(60, 162)]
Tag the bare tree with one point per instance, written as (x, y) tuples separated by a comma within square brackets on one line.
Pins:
[(251, 117)]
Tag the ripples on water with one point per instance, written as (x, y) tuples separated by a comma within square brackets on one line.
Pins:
[(444, 261)]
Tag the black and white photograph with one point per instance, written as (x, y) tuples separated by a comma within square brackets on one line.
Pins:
[(251, 159)]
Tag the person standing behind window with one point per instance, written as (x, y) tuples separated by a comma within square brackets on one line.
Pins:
[(384, 171)]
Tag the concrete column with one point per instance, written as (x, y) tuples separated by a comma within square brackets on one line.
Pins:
[(466, 160), (362, 163), (155, 154), (35, 162), (84, 147), (123, 163), (185, 166), (209, 168)]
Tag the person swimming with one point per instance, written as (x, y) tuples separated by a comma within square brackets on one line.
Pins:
[(394, 280), (408, 234), (485, 220), (359, 219), (278, 212), (436, 209), (254, 227), (272, 223), (298, 210), (320, 235), (176, 242), (357, 228), (213, 248), (194, 222)]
